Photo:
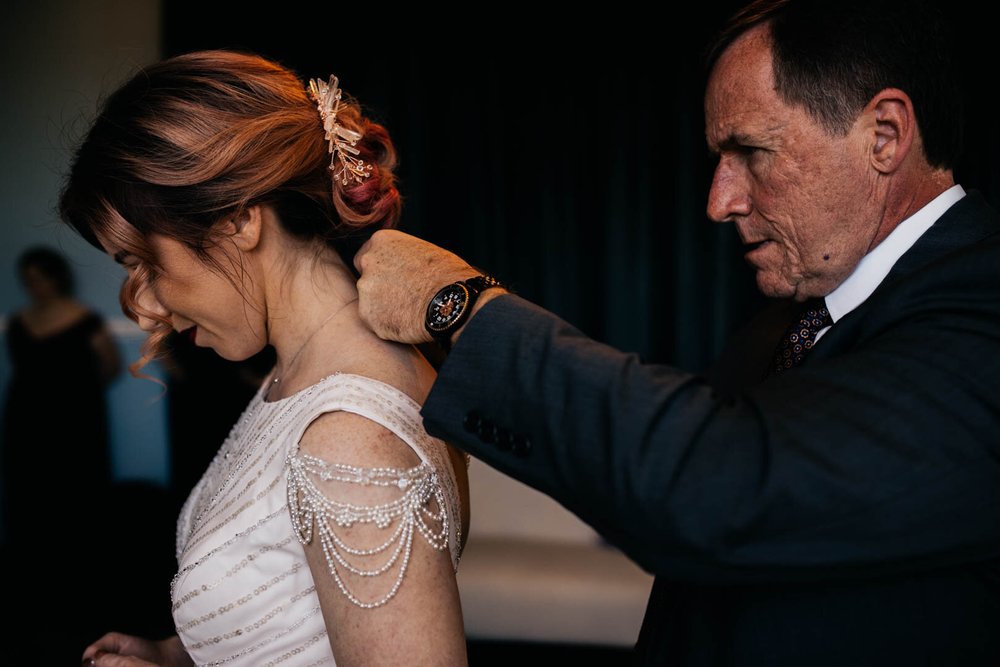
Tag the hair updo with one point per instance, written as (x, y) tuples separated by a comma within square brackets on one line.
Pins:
[(198, 138)]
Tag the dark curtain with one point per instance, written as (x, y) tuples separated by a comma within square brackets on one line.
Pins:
[(564, 155)]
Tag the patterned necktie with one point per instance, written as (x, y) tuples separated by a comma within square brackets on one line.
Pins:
[(799, 338)]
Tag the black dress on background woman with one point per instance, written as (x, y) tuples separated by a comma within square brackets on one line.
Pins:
[(56, 458), (65, 517)]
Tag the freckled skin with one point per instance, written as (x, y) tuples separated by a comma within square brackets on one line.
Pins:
[(783, 178)]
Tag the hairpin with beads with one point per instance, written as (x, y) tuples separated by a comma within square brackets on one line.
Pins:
[(342, 140)]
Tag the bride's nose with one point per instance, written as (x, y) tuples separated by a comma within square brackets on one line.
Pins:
[(148, 305)]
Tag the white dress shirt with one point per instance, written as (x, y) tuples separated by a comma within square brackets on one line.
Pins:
[(875, 266)]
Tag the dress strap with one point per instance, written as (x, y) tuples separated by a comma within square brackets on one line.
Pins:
[(424, 500)]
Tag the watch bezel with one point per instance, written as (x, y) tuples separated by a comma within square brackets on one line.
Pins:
[(439, 331)]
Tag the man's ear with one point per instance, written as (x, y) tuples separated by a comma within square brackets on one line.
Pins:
[(895, 129), (244, 228)]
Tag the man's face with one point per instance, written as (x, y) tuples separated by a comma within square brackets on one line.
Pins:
[(802, 199)]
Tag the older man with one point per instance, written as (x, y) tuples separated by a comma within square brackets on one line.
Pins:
[(833, 496)]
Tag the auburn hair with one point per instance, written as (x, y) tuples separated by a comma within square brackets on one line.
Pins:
[(198, 138)]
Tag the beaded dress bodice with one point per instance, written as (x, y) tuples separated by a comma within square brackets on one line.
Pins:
[(244, 594)]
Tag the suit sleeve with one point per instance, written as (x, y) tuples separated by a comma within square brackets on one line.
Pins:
[(882, 459)]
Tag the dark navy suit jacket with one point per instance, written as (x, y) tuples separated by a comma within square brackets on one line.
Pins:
[(843, 513)]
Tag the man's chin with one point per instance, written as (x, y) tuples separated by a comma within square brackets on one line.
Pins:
[(800, 292), (774, 287)]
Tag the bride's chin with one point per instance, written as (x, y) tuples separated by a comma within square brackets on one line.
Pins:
[(236, 354)]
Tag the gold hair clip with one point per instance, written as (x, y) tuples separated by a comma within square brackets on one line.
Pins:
[(342, 140)]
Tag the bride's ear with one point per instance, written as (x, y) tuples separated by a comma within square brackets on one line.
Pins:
[(244, 228)]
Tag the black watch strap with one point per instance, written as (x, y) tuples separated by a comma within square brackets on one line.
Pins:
[(480, 284)]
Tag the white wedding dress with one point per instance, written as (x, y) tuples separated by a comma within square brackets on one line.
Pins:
[(244, 594)]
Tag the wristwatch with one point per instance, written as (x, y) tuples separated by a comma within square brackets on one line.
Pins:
[(450, 307)]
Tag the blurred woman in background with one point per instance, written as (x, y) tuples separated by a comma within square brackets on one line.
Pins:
[(63, 358)]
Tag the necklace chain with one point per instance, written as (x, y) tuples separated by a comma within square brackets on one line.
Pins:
[(291, 362)]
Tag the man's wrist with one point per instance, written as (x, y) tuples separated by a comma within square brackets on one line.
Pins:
[(485, 297)]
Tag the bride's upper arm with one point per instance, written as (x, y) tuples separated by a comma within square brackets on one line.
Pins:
[(374, 525)]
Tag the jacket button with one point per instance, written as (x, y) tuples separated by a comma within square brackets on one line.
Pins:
[(487, 431), (521, 445), (472, 421), (505, 442)]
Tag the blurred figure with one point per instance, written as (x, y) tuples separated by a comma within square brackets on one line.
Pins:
[(62, 359), (56, 462)]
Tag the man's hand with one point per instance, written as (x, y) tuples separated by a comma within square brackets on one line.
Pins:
[(399, 276)]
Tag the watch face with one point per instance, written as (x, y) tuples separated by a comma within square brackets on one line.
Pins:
[(447, 307)]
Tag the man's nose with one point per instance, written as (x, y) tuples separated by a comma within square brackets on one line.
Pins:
[(729, 196)]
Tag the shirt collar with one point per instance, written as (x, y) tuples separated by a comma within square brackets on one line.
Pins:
[(875, 266)]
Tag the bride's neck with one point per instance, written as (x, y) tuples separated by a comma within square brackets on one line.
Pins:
[(310, 295)]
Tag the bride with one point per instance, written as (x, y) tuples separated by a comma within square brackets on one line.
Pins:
[(329, 525)]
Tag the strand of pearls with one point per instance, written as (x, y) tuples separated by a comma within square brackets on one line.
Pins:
[(314, 511)]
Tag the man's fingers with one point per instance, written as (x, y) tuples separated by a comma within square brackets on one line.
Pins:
[(376, 244), (359, 256), (363, 306)]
